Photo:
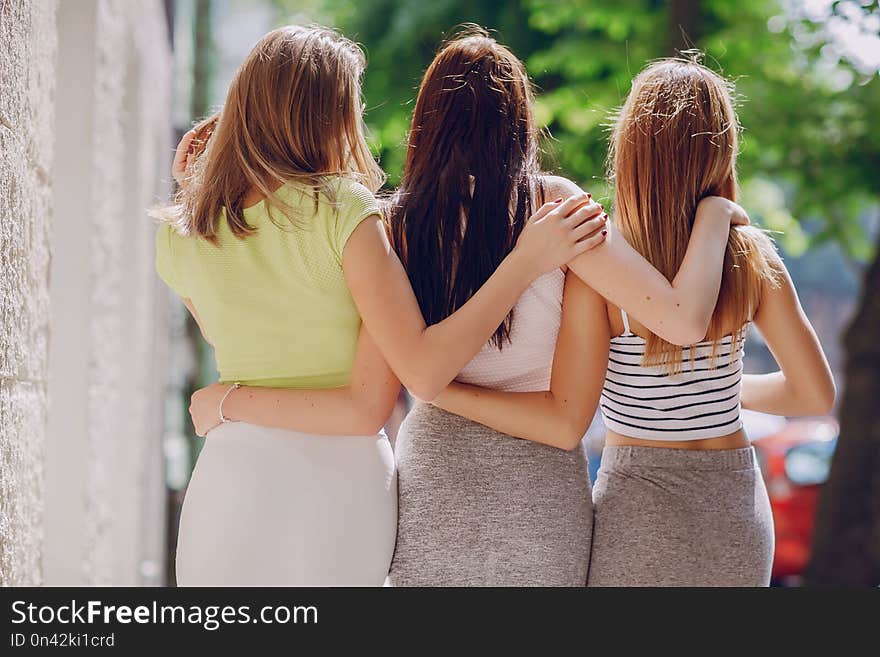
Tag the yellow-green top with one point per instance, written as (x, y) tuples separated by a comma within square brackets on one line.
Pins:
[(275, 304)]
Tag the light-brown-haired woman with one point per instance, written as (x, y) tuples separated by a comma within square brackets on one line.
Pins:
[(679, 499), (278, 249)]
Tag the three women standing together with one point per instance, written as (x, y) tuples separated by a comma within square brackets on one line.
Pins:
[(502, 297)]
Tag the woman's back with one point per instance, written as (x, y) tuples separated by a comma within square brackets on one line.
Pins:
[(275, 304), (523, 364), (699, 400), (525, 361)]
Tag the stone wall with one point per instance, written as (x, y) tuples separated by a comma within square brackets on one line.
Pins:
[(27, 76), (81, 486)]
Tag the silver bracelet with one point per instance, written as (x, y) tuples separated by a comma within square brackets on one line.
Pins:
[(223, 418)]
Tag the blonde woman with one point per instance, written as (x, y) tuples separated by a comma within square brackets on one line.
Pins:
[(679, 500), (278, 250), (467, 510)]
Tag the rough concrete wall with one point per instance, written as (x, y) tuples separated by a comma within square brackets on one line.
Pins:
[(131, 115), (82, 500), (106, 375), (27, 65), (148, 105), (104, 478)]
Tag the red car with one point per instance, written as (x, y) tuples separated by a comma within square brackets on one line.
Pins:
[(795, 461)]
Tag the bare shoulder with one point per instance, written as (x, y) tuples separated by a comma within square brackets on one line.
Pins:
[(558, 187), (764, 255), (761, 240), (777, 288)]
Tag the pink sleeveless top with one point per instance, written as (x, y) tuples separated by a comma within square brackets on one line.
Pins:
[(524, 363)]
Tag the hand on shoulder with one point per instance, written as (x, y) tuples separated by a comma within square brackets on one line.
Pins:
[(558, 187)]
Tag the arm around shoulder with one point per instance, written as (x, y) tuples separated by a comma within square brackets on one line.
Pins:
[(558, 417), (427, 358), (360, 408), (680, 310)]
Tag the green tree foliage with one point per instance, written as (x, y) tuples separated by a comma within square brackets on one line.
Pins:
[(586, 71), (810, 148), (809, 121), (401, 38)]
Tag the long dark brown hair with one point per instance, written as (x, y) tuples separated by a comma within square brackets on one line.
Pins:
[(472, 168)]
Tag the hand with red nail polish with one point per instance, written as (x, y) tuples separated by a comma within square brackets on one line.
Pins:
[(560, 231)]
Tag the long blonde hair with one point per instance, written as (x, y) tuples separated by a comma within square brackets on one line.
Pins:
[(293, 113), (675, 142)]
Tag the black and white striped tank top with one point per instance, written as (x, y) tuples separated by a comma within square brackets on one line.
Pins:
[(701, 401)]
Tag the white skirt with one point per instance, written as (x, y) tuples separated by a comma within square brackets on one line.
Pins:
[(271, 507)]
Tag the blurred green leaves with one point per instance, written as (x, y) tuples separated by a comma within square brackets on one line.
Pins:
[(810, 160)]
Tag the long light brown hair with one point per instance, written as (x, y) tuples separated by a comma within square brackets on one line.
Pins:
[(293, 113), (471, 172), (674, 142)]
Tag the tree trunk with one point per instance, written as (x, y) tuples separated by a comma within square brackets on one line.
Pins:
[(846, 545), (684, 25)]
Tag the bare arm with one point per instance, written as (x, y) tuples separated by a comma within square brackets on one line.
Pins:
[(677, 311), (427, 358), (382, 291), (803, 385), (360, 408), (560, 416)]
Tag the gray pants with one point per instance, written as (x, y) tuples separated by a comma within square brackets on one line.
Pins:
[(672, 517), (480, 508)]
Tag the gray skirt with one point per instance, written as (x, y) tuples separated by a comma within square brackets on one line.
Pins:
[(480, 508), (671, 517)]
